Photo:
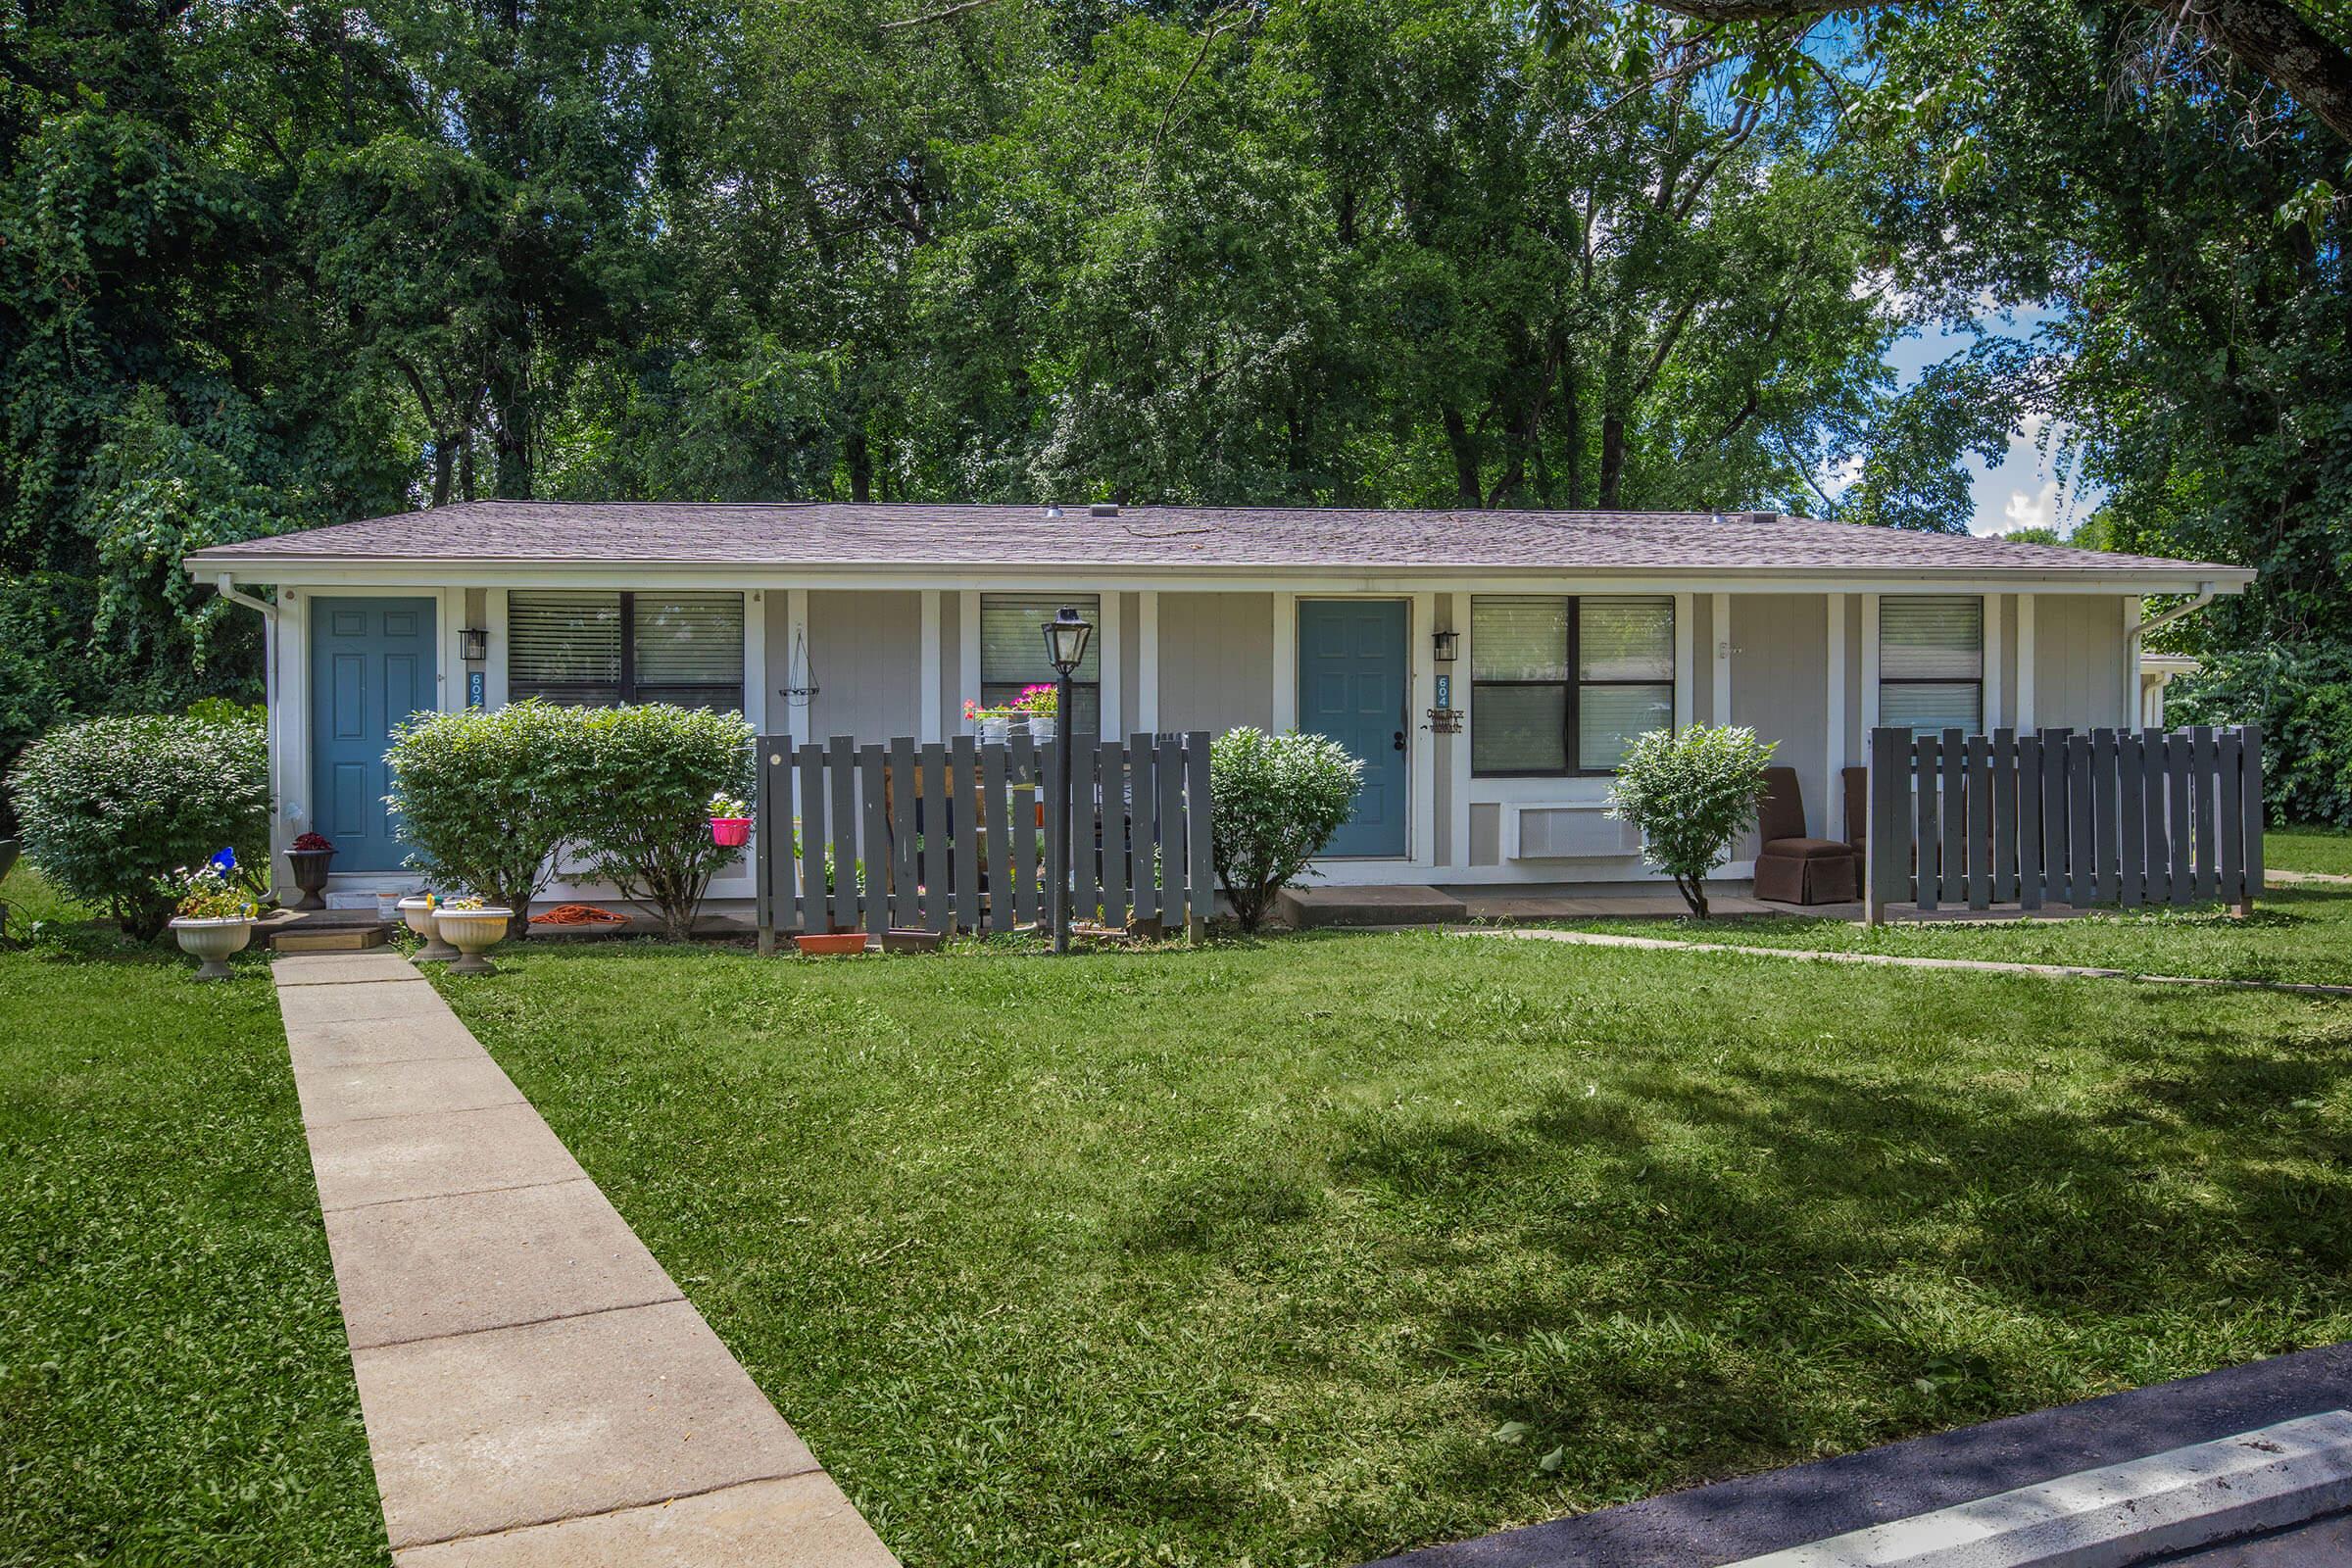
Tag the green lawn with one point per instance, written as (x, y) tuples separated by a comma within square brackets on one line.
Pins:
[(175, 1387), (1303, 1253), (2309, 848), (2300, 933)]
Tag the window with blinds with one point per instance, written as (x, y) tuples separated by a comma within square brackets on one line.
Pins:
[(599, 649), (1932, 661), (1536, 711), (1013, 651)]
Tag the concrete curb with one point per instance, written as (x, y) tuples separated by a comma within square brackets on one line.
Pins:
[(1898, 960), (1707, 1526), (2273, 1477)]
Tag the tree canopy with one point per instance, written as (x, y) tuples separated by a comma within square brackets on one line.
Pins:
[(269, 266)]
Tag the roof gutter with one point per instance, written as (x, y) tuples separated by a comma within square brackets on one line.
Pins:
[(2204, 597)]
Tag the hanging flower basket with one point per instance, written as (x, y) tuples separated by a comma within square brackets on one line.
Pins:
[(730, 822)]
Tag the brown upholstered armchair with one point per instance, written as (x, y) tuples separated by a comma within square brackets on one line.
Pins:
[(1791, 869)]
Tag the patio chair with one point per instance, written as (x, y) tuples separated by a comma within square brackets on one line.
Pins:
[(1790, 868)]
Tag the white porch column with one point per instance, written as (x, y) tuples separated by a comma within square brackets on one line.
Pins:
[(754, 660), (1115, 665), (2025, 664), (494, 667), (1421, 666), (1870, 666), (1459, 832), (1286, 663), (1146, 662), (1993, 662), (1720, 700), (927, 728), (1833, 808), (1685, 639), (2131, 653)]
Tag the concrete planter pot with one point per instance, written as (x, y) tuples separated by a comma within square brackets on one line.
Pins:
[(210, 942), (310, 875), (418, 911), (472, 932), (912, 939)]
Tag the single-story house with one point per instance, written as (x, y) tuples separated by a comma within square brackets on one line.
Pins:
[(1488, 667)]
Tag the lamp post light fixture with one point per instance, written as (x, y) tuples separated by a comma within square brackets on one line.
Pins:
[(1066, 636)]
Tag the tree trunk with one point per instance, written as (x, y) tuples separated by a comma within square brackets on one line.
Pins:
[(1612, 458), (1464, 447), (862, 466)]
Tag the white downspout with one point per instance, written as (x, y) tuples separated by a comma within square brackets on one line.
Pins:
[(228, 590), (2205, 593)]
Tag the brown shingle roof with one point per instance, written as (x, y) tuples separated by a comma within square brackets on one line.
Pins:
[(1174, 538)]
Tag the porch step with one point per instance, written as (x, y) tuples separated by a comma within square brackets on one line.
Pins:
[(1309, 908), (321, 931)]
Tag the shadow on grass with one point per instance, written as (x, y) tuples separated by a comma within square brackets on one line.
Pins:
[(1737, 1260)]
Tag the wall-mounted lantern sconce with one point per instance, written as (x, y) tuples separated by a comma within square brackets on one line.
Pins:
[(1448, 646), (473, 643)]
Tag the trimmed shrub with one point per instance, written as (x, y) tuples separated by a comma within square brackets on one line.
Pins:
[(649, 777), (2302, 697), (1275, 800), (1692, 793), (486, 795), (111, 806)]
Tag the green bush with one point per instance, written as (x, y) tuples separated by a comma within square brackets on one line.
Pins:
[(649, 776), (486, 795), (110, 806), (2302, 697), (1275, 800), (1690, 793)]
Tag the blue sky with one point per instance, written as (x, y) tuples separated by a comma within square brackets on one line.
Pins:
[(2021, 490)]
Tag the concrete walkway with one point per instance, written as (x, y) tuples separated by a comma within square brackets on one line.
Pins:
[(537, 1390), (1897, 961)]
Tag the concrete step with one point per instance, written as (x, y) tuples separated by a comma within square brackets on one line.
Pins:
[(321, 931), (1309, 907)]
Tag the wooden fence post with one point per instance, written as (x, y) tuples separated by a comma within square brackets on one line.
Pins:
[(2249, 746), (1199, 825)]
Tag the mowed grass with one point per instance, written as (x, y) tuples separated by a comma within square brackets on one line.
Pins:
[(2326, 849), (2301, 933), (175, 1386), (1306, 1251)]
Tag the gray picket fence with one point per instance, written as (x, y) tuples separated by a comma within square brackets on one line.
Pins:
[(956, 836), (2121, 818)]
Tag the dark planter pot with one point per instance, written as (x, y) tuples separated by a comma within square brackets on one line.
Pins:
[(310, 875)]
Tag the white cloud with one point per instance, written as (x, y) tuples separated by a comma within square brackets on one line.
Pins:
[(2038, 509)]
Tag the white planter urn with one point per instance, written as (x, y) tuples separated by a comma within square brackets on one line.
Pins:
[(995, 731), (210, 942), (418, 911), (1041, 727), (472, 932)]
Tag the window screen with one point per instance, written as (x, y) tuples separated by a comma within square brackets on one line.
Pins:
[(1013, 651), (1932, 661), (597, 650)]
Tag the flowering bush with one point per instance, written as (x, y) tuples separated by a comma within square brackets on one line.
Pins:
[(485, 796), (1275, 801), (651, 778), (111, 806), (1690, 793)]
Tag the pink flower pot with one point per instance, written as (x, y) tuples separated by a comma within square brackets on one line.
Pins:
[(730, 832)]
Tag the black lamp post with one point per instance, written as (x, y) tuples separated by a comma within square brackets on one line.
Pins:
[(1065, 647)]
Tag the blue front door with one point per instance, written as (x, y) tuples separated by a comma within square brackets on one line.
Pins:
[(371, 665), (1352, 687)]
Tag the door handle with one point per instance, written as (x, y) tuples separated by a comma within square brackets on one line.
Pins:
[(1400, 740)]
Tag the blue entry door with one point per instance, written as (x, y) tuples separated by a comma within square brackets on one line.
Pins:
[(371, 665), (1353, 687)]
